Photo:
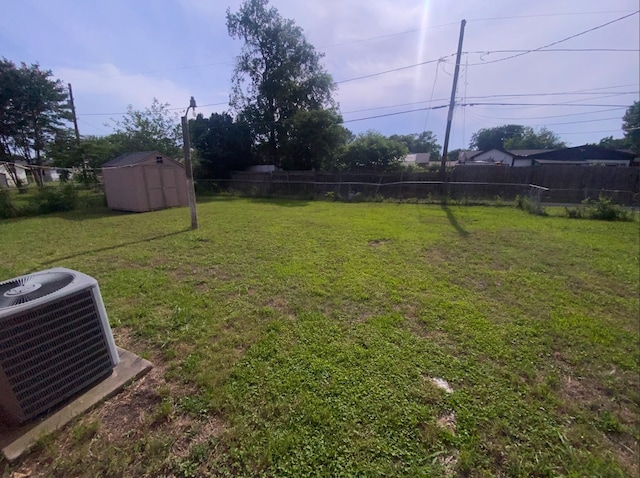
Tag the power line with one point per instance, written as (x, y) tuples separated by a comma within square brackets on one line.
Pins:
[(518, 118), (559, 41), (548, 15), (396, 113), (578, 92), (541, 104), (470, 104), (169, 109), (552, 50), (394, 69), (415, 30)]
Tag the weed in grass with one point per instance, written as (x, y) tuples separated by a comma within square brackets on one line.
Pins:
[(603, 209), (83, 432)]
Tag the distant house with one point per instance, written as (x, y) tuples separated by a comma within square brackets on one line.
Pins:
[(417, 159), (19, 170), (144, 181), (587, 155), (262, 168), (50, 174)]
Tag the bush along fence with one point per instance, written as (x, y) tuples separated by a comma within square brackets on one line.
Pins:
[(51, 198), (555, 184)]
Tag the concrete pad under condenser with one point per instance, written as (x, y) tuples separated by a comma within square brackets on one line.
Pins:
[(15, 441)]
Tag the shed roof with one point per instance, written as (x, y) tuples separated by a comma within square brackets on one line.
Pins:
[(129, 159)]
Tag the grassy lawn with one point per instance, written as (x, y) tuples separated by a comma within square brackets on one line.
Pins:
[(296, 338)]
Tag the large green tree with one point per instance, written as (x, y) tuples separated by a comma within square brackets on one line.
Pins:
[(494, 138), (631, 126), (223, 145), (375, 152), (529, 139), (515, 136), (33, 109), (425, 142), (153, 129), (316, 138), (277, 74)]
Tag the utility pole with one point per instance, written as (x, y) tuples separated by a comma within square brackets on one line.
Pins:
[(186, 149), (75, 126), (445, 148)]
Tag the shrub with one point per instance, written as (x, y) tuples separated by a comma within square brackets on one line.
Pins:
[(603, 209), (532, 207), (54, 199), (7, 209)]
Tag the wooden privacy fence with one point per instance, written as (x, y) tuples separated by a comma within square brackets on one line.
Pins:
[(562, 184)]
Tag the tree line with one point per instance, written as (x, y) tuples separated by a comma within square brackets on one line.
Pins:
[(282, 112)]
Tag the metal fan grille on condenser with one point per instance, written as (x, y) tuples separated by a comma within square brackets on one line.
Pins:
[(31, 287)]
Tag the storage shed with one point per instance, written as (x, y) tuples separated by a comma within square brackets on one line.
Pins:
[(144, 181)]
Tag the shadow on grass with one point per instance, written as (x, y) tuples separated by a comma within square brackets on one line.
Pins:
[(109, 248), (454, 222)]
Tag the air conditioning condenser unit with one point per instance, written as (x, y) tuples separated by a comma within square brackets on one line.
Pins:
[(55, 341)]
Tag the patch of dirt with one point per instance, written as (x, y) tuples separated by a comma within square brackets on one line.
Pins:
[(448, 463), (196, 434), (447, 422), (125, 413)]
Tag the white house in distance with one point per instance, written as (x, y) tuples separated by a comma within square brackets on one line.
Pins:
[(6, 178), (587, 155), (417, 159)]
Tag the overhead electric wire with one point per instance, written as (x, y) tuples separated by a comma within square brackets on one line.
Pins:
[(415, 30), (568, 93), (541, 104), (393, 70), (572, 50), (169, 109), (559, 41)]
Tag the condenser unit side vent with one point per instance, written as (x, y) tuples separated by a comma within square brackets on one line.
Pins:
[(51, 351)]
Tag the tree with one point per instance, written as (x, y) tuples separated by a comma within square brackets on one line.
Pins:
[(424, 142), (373, 151), (154, 129), (315, 139), (494, 138), (33, 109), (614, 143), (529, 139), (277, 74), (631, 126), (515, 136), (223, 145)]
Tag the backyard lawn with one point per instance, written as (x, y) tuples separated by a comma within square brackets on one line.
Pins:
[(294, 338)]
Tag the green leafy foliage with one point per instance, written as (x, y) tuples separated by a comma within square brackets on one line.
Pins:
[(33, 108), (631, 126), (425, 142), (277, 74), (223, 145), (373, 151), (54, 199), (7, 208), (515, 136), (316, 138), (153, 129), (603, 209)]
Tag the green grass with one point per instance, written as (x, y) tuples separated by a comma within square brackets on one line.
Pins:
[(300, 339)]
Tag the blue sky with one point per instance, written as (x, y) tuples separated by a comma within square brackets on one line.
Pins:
[(125, 52)]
